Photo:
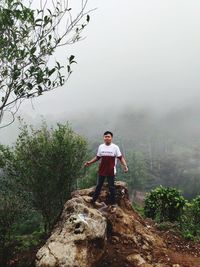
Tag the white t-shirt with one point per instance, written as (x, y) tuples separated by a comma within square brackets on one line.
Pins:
[(108, 155)]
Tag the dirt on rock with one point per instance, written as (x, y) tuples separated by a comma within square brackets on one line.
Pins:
[(129, 240)]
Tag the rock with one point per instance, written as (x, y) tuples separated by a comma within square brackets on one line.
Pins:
[(145, 247), (149, 257), (89, 235), (115, 239), (161, 265), (136, 259), (77, 240)]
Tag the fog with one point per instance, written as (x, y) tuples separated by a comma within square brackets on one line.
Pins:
[(137, 55), (140, 53)]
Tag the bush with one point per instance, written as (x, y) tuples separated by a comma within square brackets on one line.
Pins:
[(37, 176), (30, 223), (13, 204), (89, 178), (190, 227), (195, 209), (164, 204), (48, 163)]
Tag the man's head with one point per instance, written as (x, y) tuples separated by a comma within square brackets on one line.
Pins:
[(108, 136)]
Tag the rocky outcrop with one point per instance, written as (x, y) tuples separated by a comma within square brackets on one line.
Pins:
[(89, 235), (78, 239)]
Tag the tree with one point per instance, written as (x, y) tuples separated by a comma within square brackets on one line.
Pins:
[(137, 173), (89, 178), (29, 39), (12, 204), (48, 163)]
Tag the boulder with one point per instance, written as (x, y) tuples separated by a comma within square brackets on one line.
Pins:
[(88, 235), (78, 239)]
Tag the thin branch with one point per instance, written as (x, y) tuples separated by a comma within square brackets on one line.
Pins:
[(32, 37)]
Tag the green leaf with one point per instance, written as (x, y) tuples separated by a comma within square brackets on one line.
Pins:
[(40, 90), (33, 49), (71, 58), (51, 71), (30, 86), (88, 18), (68, 68)]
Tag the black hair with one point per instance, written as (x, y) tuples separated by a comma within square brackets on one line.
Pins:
[(108, 132)]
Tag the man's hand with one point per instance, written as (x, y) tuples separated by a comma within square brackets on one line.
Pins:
[(125, 168), (87, 164), (124, 164)]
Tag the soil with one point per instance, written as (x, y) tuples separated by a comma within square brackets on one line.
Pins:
[(168, 249), (179, 252)]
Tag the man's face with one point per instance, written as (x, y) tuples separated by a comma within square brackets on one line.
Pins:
[(107, 139)]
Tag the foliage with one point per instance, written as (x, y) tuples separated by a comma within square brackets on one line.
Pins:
[(190, 226), (138, 208), (164, 204), (13, 205), (37, 176), (89, 178), (49, 162), (137, 174), (195, 210), (29, 39), (31, 222), (168, 148)]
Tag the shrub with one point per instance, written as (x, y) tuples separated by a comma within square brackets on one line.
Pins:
[(164, 204), (190, 227), (49, 162)]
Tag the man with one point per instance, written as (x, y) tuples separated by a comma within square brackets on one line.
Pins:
[(108, 153)]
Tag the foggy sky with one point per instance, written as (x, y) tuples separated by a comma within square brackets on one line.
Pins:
[(137, 53)]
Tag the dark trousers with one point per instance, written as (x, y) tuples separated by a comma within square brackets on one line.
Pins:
[(111, 185)]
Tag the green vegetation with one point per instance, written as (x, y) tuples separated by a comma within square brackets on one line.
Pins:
[(29, 39), (172, 211), (89, 177), (49, 162), (12, 208), (37, 176), (161, 149), (190, 226), (39, 172), (137, 175), (164, 204)]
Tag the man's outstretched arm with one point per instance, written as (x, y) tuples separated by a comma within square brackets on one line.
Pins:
[(88, 163)]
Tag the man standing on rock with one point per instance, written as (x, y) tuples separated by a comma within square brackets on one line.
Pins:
[(108, 153)]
